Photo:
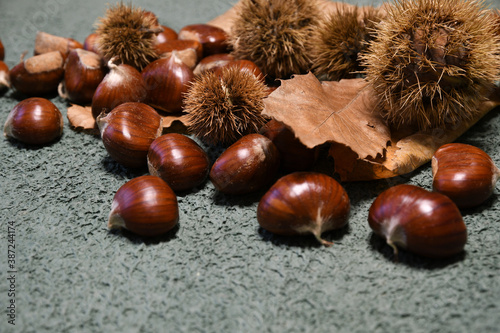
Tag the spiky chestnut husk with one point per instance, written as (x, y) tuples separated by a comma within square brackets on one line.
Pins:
[(222, 107), (432, 61), (341, 37), (275, 35), (128, 33)]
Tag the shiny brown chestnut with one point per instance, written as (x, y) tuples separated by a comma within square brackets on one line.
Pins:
[(167, 80), (212, 62), (4, 76), (165, 36), (91, 43), (122, 84), (45, 43), (128, 131), (246, 166), (34, 121), (304, 203), (464, 173), (2, 51), (179, 161), (146, 206), (213, 39), (422, 222), (38, 75), (245, 65), (295, 156), (83, 72)]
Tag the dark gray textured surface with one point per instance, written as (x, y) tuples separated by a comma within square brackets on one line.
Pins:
[(217, 272)]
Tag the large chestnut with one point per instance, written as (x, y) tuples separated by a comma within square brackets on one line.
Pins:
[(304, 203), (128, 131), (178, 160), (464, 173), (425, 223), (83, 72), (247, 165), (34, 121), (39, 75), (146, 206), (122, 84), (167, 80)]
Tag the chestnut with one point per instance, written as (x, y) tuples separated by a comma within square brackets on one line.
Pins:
[(165, 36), (304, 203), (212, 62), (295, 156), (45, 43), (246, 166), (146, 206), (122, 84), (83, 72), (128, 131), (167, 80), (91, 43), (179, 161), (422, 222), (213, 39), (34, 121), (2, 51), (245, 65), (38, 75), (189, 51), (4, 76), (464, 173)]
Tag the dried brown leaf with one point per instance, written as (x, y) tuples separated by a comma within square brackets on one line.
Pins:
[(344, 112), (403, 155)]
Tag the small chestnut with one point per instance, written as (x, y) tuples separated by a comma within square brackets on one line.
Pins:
[(179, 161), (34, 121), (146, 206), (245, 65), (128, 131), (464, 173), (165, 36), (83, 72), (213, 39), (422, 222), (167, 81), (38, 75), (304, 203), (247, 165), (91, 43), (122, 84)]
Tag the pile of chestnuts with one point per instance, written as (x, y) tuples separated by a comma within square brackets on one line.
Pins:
[(128, 102)]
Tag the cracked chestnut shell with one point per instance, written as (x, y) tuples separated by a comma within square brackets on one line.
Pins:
[(464, 173), (304, 203), (146, 206), (422, 222)]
